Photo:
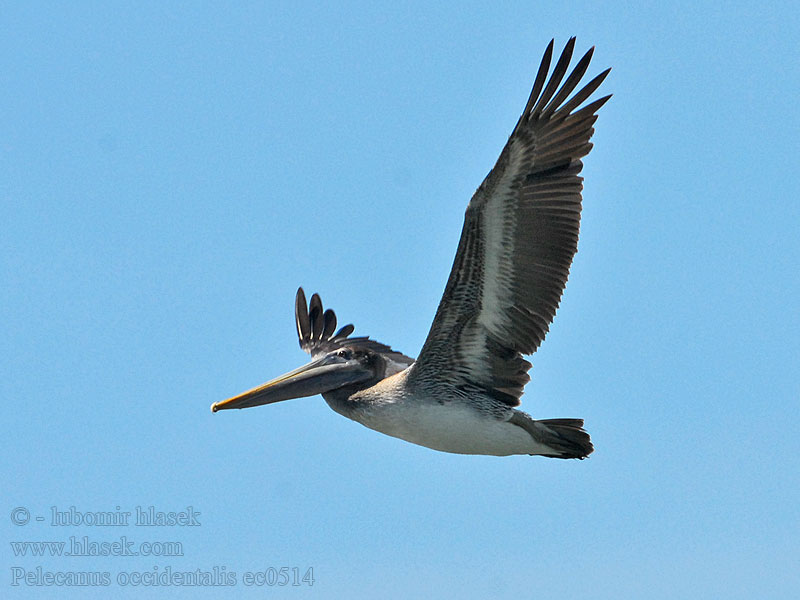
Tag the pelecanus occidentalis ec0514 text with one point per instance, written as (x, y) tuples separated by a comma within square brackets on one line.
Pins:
[(519, 237)]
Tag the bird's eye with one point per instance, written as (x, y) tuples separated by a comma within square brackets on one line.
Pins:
[(344, 353)]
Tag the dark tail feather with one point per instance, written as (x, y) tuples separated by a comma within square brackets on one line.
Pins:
[(566, 437)]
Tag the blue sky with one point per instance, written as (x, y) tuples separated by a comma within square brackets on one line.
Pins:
[(170, 173)]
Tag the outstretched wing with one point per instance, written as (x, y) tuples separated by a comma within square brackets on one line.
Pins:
[(315, 328), (519, 237)]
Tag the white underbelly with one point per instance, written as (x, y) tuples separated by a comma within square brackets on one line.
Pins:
[(451, 427)]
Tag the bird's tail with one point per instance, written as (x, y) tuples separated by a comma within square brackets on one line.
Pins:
[(566, 437)]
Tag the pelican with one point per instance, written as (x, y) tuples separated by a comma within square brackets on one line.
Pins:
[(519, 237)]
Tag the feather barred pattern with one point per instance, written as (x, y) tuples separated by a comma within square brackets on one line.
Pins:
[(519, 238)]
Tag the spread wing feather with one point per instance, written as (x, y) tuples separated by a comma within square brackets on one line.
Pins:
[(519, 237), (315, 330)]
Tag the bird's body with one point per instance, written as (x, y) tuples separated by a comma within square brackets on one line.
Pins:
[(520, 234), (445, 420)]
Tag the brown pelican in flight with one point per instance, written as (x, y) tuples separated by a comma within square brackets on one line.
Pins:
[(520, 235)]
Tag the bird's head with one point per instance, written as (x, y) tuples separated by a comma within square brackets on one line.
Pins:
[(340, 364), (345, 370)]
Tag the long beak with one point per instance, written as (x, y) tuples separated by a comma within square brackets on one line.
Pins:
[(322, 375)]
